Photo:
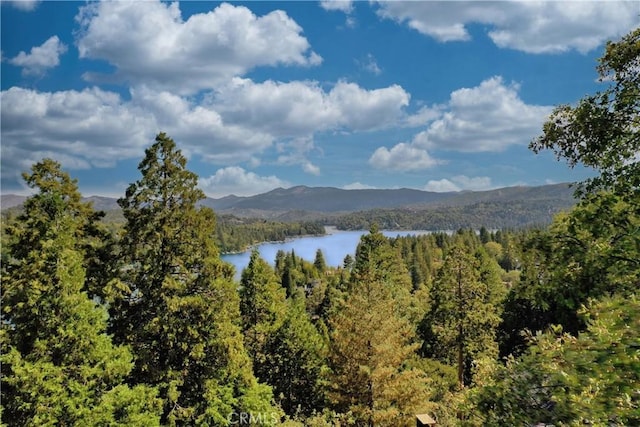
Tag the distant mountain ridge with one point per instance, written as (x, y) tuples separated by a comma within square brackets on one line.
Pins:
[(331, 201)]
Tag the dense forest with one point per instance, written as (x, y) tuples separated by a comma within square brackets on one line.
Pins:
[(486, 214), (145, 325), (237, 234), (232, 233)]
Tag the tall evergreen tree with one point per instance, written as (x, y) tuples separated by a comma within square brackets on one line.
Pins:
[(287, 351), (295, 363), (319, 262), (377, 261), (59, 366), (263, 306), (461, 325), (370, 348), (372, 341), (179, 308)]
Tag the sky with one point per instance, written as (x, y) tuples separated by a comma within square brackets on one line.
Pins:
[(437, 96)]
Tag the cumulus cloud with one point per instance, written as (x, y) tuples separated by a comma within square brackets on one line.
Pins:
[(236, 124), (41, 58), (459, 183), (235, 180), (303, 107), (148, 41), (310, 168), (79, 128), (488, 117), (362, 109), (201, 128), (98, 128), (295, 152), (423, 116), (402, 157), (533, 27)]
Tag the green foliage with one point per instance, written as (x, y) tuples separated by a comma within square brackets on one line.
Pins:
[(341, 349), (295, 363), (466, 297), (179, 307), (58, 194), (372, 343), (59, 366), (591, 252), (262, 306), (377, 261), (235, 234), (491, 214), (601, 132), (287, 350), (562, 379), (319, 262)]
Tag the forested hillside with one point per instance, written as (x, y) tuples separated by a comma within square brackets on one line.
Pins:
[(146, 325), (235, 234), (512, 214)]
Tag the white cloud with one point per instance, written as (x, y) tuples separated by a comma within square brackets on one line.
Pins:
[(423, 116), (358, 186), (362, 109), (41, 58), (533, 27), (441, 186), (310, 168), (233, 125), (295, 152), (236, 180), (98, 128), (200, 128), (345, 6), (402, 157), (302, 107), (24, 5), (149, 42), (90, 127), (459, 183), (488, 117)]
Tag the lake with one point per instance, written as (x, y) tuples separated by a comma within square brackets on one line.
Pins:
[(335, 245)]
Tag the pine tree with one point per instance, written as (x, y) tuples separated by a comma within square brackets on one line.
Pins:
[(287, 351), (377, 261), (319, 262), (295, 363), (461, 325), (179, 308), (372, 341), (59, 366), (262, 305), (370, 347)]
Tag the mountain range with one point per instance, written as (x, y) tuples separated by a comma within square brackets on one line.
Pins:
[(308, 202), (335, 200)]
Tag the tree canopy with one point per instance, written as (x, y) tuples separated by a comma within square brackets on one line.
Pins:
[(179, 307)]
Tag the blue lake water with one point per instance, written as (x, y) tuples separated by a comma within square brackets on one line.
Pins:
[(334, 246)]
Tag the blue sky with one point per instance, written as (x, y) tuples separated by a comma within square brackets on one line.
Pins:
[(440, 96)]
